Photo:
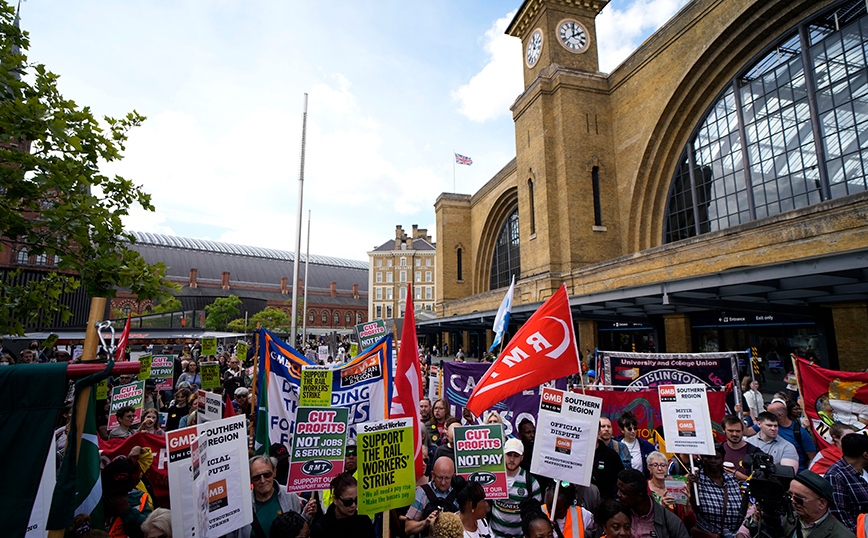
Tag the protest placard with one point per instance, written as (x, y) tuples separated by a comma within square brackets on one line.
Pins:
[(241, 351), (210, 374), (354, 349), (209, 346), (210, 406), (102, 390), (434, 383), (132, 395), (316, 386), (317, 448), (676, 487), (386, 468), (479, 457), (145, 367), (686, 420), (226, 472), (370, 332), (163, 371), (566, 436), (322, 353)]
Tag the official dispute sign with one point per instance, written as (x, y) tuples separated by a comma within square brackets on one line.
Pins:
[(316, 386), (387, 474), (226, 472), (210, 374), (479, 458), (210, 407), (566, 436), (686, 420), (163, 371), (132, 395), (317, 448)]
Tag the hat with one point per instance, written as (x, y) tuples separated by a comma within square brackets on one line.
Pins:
[(592, 373), (241, 391), (816, 483), (279, 451), (119, 476), (513, 445)]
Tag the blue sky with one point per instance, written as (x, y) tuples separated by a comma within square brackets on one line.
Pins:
[(394, 87)]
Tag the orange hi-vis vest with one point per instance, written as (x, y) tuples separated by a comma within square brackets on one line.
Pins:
[(862, 526), (574, 527), (117, 528)]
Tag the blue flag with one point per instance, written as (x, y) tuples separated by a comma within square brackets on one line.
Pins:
[(501, 321)]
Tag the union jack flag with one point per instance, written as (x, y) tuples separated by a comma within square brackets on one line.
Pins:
[(461, 159)]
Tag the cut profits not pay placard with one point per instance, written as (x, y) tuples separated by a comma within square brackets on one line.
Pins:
[(317, 448)]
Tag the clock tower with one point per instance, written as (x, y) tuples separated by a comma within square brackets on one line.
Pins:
[(567, 196)]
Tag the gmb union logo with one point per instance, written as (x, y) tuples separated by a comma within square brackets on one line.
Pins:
[(316, 467)]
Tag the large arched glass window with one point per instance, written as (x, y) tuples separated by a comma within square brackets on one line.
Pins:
[(776, 139), (506, 260)]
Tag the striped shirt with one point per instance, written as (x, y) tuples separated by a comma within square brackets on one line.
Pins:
[(505, 514)]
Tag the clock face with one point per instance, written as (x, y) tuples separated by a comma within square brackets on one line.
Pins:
[(573, 36), (534, 48)]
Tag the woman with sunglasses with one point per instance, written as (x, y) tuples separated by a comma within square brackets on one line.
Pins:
[(341, 518), (639, 448)]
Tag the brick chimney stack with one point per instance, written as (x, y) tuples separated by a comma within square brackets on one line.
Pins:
[(355, 291), (225, 283), (193, 273), (333, 288)]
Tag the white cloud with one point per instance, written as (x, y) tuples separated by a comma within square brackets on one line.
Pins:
[(620, 31), (491, 92)]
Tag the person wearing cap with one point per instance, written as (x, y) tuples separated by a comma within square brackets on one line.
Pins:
[(848, 480), (811, 496), (242, 396), (505, 514), (126, 508), (279, 452)]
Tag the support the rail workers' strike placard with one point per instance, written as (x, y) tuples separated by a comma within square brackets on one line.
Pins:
[(386, 468)]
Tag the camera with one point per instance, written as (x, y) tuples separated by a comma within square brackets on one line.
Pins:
[(769, 486)]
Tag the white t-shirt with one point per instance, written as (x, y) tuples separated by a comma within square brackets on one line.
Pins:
[(482, 530), (635, 454)]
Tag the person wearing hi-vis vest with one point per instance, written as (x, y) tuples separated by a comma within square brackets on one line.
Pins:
[(126, 507), (572, 520)]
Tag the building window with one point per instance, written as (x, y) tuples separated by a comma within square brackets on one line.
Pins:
[(506, 260), (403, 261), (310, 316), (379, 311), (418, 292), (379, 294), (349, 318), (325, 318), (127, 309), (337, 319), (379, 276), (532, 210), (403, 293), (388, 277), (379, 262), (388, 294), (41, 259), (427, 276), (389, 262), (756, 153), (458, 264), (23, 257), (428, 292), (428, 262), (389, 312), (403, 276), (402, 310), (418, 276), (418, 262), (358, 317), (595, 184)]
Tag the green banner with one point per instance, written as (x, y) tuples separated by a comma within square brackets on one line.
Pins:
[(318, 445), (241, 351), (210, 374), (316, 386), (370, 332), (386, 468), (479, 457), (145, 365), (209, 346)]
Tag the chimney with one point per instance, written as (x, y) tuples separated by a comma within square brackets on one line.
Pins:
[(193, 273), (355, 291), (283, 285), (399, 232), (225, 283), (333, 287), (300, 284)]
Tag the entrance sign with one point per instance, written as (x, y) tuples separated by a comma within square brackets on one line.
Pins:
[(387, 476), (132, 395), (210, 374), (316, 386), (317, 448), (686, 420), (226, 474), (163, 371), (479, 457), (566, 436)]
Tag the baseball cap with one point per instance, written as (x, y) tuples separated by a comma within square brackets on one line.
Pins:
[(241, 391), (513, 445)]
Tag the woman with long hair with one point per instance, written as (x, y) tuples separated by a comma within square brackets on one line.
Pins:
[(191, 376), (752, 397), (341, 517)]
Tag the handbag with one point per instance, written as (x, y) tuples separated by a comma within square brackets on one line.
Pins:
[(696, 532)]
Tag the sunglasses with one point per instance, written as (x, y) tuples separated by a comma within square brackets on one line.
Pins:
[(629, 427), (349, 501), (799, 501), (351, 452), (266, 475)]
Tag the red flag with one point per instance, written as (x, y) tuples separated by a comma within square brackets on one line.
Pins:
[(408, 380), (122, 345), (831, 396), (542, 350), (228, 408)]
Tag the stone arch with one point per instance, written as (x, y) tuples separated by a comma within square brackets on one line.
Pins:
[(500, 210), (748, 34)]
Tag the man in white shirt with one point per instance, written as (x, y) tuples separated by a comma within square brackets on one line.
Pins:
[(781, 451)]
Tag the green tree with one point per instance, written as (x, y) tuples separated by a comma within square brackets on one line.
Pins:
[(171, 305), (271, 318), (53, 199), (221, 311), (238, 326)]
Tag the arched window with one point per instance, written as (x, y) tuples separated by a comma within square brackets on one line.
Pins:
[(23, 257), (310, 316), (506, 260), (756, 152), (337, 319), (358, 317), (459, 263), (349, 319), (325, 318)]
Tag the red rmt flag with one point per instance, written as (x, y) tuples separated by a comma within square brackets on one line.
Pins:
[(542, 350), (408, 381)]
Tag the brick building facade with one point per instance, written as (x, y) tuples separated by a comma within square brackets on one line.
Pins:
[(397, 262)]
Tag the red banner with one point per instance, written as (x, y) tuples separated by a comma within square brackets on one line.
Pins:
[(157, 473), (645, 405), (831, 396)]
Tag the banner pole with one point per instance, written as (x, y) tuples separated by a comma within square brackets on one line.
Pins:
[(555, 502), (798, 380), (695, 487), (386, 524), (254, 404)]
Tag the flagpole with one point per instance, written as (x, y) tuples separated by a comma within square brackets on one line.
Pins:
[(294, 325), (453, 171)]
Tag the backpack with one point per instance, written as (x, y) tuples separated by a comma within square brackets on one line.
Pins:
[(446, 504)]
